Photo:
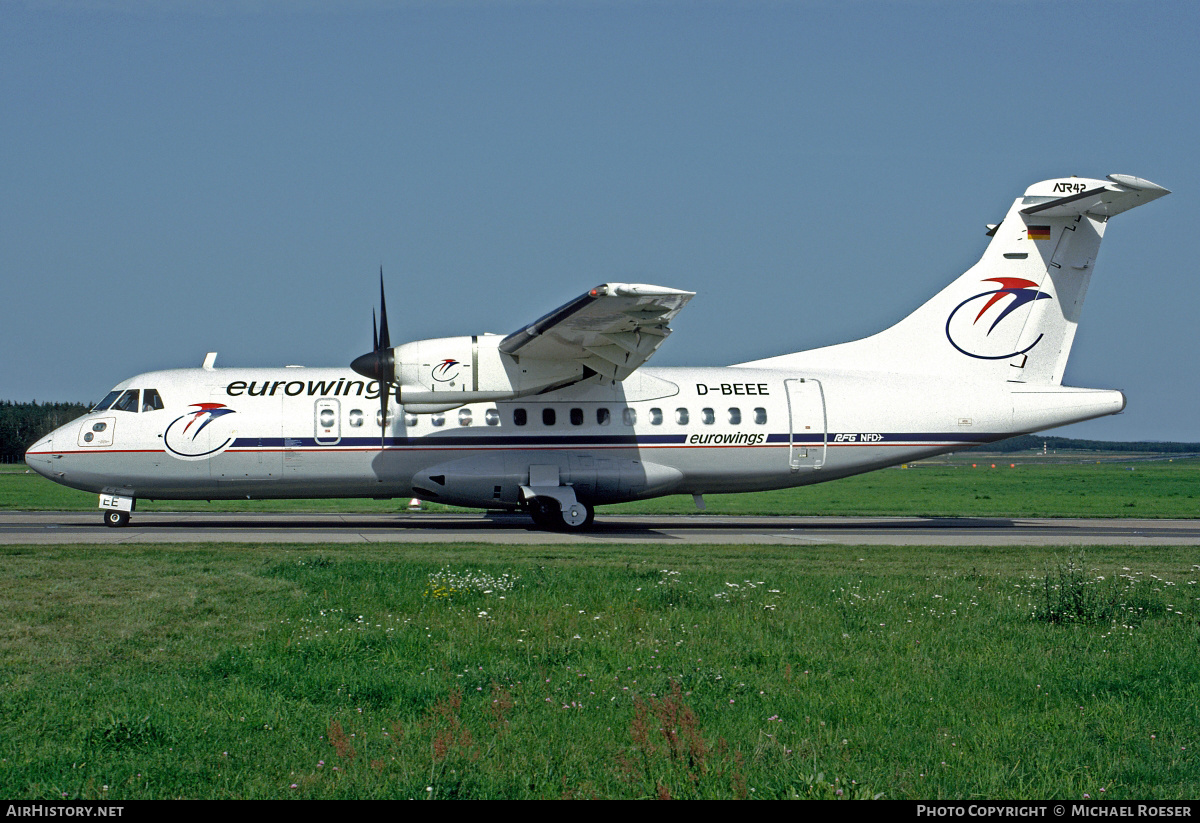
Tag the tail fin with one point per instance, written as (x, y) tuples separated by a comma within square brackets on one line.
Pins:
[(1012, 316)]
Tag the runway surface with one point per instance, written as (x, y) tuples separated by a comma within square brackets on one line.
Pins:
[(208, 527)]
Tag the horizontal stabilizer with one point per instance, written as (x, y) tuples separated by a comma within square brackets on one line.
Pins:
[(1123, 193)]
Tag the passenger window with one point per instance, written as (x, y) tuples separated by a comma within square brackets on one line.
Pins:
[(576, 417), (410, 420), (128, 402), (437, 419), (735, 416), (548, 417), (381, 422), (326, 418), (491, 417), (681, 416), (760, 415), (356, 418), (107, 401), (629, 416), (519, 417), (708, 416), (602, 416), (464, 417), (151, 401), (656, 417)]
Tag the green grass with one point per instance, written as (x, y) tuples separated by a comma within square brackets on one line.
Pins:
[(1164, 488), (609, 671), (1168, 489)]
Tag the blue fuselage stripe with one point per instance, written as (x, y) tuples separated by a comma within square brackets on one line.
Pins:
[(629, 440)]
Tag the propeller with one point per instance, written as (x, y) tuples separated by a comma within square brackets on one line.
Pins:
[(379, 363)]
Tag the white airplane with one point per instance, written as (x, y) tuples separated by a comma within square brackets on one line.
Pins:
[(561, 415)]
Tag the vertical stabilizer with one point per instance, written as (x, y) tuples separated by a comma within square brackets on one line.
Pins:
[(1012, 316)]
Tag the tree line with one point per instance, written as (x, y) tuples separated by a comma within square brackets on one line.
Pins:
[(1035, 442), (21, 424)]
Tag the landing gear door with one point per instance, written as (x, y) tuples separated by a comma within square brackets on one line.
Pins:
[(806, 413)]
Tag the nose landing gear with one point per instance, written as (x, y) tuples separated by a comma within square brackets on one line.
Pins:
[(117, 508), (116, 518)]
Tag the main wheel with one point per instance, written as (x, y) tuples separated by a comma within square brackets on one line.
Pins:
[(563, 519), (544, 512), (116, 518)]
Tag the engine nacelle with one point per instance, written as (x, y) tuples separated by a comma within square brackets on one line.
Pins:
[(452, 371)]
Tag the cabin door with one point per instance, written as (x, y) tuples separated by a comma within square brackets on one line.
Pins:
[(806, 414)]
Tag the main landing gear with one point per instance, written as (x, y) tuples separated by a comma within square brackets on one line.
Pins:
[(553, 505), (547, 513)]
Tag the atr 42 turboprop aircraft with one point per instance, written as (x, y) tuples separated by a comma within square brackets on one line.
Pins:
[(561, 415)]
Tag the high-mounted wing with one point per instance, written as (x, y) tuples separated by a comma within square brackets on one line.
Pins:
[(612, 329)]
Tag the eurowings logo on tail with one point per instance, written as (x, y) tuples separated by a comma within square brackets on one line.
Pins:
[(185, 442), (967, 334)]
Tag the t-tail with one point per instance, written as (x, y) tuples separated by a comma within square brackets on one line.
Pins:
[(1012, 316)]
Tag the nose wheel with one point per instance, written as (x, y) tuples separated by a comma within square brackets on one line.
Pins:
[(115, 518)]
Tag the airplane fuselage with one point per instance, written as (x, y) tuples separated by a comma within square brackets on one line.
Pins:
[(307, 432)]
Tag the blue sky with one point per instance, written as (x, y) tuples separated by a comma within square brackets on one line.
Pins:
[(183, 177)]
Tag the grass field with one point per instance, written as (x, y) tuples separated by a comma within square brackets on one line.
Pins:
[(1033, 488), (247, 671), (612, 671)]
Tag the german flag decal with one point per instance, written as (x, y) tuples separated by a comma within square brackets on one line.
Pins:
[(1038, 232)]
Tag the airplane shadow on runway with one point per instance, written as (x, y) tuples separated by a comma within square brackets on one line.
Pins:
[(604, 526)]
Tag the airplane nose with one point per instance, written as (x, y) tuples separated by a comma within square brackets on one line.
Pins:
[(40, 457)]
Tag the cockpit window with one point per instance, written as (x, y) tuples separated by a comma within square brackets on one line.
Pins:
[(107, 401), (151, 401), (128, 402)]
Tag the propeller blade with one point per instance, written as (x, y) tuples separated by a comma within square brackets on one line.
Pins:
[(380, 363), (383, 351), (385, 340), (385, 392)]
